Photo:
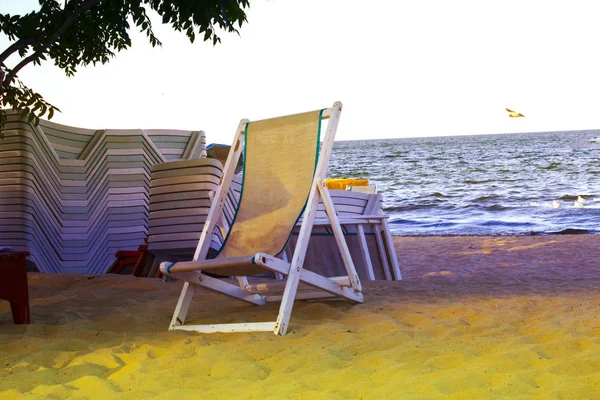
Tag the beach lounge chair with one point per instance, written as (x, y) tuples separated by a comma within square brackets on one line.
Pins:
[(282, 178), (366, 230)]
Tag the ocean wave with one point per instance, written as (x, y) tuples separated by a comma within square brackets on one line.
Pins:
[(571, 231), (485, 198), (410, 207), (478, 182), (396, 154), (574, 197), (437, 194), (551, 166), (507, 224)]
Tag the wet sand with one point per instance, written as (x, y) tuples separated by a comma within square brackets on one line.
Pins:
[(474, 317)]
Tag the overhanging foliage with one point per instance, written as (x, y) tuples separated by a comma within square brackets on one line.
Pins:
[(76, 33)]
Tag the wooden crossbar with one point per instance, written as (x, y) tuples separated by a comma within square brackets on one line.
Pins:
[(197, 265)]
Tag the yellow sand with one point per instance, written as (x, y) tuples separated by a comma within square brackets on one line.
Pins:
[(475, 318)]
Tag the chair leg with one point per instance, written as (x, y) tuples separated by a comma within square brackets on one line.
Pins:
[(14, 286), (20, 308), (183, 305), (382, 253), (364, 250), (287, 302), (154, 269), (391, 250), (339, 238), (139, 265)]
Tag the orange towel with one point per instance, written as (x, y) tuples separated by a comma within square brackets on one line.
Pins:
[(341, 183)]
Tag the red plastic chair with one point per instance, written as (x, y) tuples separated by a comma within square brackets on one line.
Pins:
[(13, 284), (135, 259)]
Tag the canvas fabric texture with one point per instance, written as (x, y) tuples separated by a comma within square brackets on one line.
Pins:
[(280, 160)]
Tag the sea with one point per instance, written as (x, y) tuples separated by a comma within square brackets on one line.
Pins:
[(538, 183)]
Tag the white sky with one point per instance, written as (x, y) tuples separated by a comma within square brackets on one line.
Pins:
[(401, 68)]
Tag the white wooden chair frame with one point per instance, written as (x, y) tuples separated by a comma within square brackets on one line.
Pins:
[(348, 287), (383, 239), (372, 216)]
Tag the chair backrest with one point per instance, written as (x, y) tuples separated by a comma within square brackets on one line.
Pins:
[(280, 157)]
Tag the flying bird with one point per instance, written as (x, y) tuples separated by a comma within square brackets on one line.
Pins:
[(514, 114)]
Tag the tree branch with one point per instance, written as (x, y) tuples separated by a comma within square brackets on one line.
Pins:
[(83, 7), (16, 46)]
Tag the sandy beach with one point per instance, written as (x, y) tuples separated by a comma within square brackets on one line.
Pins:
[(474, 318)]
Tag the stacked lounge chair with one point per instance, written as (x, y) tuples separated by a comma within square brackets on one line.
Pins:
[(181, 194), (72, 197)]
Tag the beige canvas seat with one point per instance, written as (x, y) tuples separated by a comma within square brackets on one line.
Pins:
[(282, 180)]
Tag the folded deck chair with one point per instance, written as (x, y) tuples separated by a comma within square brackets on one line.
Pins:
[(282, 179), (365, 227)]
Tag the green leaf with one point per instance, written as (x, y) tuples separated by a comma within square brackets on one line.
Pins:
[(100, 31)]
